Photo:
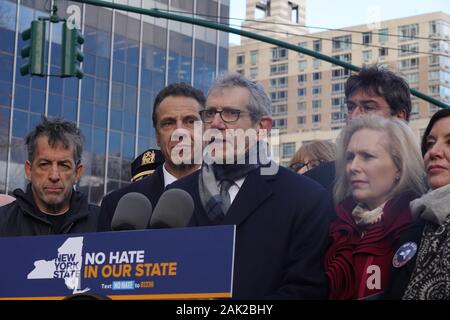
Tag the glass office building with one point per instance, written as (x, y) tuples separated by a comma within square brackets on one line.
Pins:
[(128, 58)]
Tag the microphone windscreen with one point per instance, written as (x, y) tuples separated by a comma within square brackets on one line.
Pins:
[(173, 210), (133, 212)]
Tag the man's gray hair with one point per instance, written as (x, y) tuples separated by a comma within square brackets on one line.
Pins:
[(399, 141), (58, 131), (259, 104)]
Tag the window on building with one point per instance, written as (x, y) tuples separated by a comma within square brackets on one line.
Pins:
[(254, 57), (408, 32), (316, 90), (439, 46), (383, 52), (339, 73), (278, 69), (338, 117), (301, 120), (240, 59), (317, 76), (316, 105), (253, 72), (316, 63), (342, 43), (338, 103), (278, 82), (280, 124), (344, 57), (302, 65), (432, 108), (367, 38), (367, 55), (414, 108), (383, 35), (279, 54), (294, 12), (262, 9), (288, 149), (337, 88), (317, 45), (279, 110), (301, 107), (433, 75), (412, 77), (279, 95), (301, 78), (408, 49), (433, 89), (301, 92), (316, 118), (439, 29), (412, 63), (303, 45), (433, 60)]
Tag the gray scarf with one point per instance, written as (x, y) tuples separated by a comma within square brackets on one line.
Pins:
[(434, 206), (216, 202), (431, 276)]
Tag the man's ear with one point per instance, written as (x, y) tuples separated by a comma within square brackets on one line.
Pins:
[(79, 172), (28, 169), (158, 143), (265, 123), (401, 114)]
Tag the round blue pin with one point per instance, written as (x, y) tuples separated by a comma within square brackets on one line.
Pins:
[(405, 253)]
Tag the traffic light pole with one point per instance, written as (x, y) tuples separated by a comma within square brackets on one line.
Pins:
[(222, 27)]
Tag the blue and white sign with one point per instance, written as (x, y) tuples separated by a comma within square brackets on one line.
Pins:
[(147, 264)]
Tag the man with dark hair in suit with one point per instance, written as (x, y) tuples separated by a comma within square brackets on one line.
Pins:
[(177, 106), (281, 217)]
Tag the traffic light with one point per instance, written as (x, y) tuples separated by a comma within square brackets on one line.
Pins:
[(35, 51), (71, 53)]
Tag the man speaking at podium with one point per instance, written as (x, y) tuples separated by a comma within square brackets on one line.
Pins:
[(281, 218), (176, 106)]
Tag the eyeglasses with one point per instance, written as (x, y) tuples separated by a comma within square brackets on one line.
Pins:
[(309, 165), (366, 107), (227, 115)]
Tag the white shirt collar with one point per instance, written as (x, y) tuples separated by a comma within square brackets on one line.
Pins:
[(168, 177)]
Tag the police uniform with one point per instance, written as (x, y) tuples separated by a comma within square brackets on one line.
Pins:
[(146, 164), (148, 179)]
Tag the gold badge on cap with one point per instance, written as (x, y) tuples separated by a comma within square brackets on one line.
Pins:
[(148, 157)]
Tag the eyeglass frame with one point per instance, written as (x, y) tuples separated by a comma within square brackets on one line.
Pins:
[(367, 106), (216, 110), (299, 165)]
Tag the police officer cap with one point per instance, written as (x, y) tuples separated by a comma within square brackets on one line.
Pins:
[(146, 163)]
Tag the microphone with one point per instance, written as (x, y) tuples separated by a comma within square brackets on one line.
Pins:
[(173, 210), (133, 212)]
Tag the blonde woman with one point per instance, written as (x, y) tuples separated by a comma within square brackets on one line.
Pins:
[(379, 170), (312, 154)]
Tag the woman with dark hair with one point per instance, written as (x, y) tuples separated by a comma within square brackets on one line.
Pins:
[(430, 278)]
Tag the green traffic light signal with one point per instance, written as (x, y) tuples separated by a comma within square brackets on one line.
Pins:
[(71, 55), (35, 52)]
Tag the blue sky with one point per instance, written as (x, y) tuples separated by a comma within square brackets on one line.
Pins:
[(345, 13)]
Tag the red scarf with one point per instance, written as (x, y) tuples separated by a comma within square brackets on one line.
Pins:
[(355, 253)]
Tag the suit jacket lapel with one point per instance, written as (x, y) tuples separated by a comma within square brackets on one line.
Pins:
[(255, 190)]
